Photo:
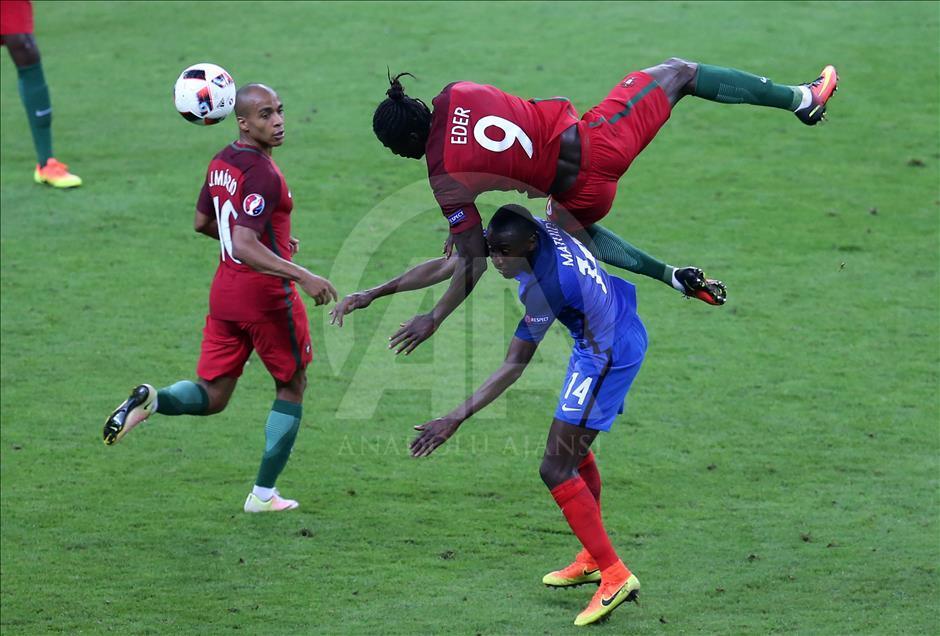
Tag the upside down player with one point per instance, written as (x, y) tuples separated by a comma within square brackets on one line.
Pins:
[(558, 279), (479, 139), (253, 305), (16, 33)]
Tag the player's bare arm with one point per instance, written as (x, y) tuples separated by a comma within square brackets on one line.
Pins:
[(434, 433), (468, 268), (247, 248), (420, 276), (205, 224)]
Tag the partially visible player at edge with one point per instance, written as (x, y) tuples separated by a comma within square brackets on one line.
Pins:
[(16, 33), (253, 305), (479, 139), (558, 279)]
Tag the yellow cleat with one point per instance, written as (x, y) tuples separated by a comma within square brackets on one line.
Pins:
[(56, 174), (583, 570), (613, 592)]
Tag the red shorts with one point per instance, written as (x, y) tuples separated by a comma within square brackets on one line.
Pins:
[(612, 134), (16, 16), (283, 344)]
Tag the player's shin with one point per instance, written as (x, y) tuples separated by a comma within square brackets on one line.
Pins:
[(731, 86), (591, 476), (35, 96), (580, 508), (280, 431), (183, 398)]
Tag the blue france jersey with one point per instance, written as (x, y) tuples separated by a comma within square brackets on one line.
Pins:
[(567, 283)]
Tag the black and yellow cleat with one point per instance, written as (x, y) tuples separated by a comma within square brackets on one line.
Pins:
[(131, 412)]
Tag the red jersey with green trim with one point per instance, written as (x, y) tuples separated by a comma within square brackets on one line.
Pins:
[(483, 139), (245, 187)]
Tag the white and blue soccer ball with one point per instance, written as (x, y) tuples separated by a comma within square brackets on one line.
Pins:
[(204, 94)]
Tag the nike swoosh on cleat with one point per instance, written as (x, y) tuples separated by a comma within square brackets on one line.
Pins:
[(607, 601), (43, 113)]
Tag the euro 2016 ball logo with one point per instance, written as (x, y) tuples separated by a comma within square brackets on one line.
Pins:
[(253, 205)]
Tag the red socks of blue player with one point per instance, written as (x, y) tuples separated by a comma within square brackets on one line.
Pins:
[(578, 503)]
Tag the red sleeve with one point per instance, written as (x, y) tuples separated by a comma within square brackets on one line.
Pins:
[(260, 196), (455, 199), (204, 202)]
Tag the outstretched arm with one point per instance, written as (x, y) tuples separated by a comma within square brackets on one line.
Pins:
[(426, 274), (436, 432), (247, 248), (469, 266)]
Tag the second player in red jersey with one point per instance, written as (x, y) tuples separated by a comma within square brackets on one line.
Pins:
[(253, 304)]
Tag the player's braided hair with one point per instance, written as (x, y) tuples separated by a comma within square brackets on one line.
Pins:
[(399, 115)]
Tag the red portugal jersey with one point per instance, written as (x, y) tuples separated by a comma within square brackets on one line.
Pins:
[(483, 139), (245, 187)]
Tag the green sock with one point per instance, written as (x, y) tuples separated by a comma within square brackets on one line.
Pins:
[(731, 86), (279, 435), (182, 398), (615, 251), (35, 96)]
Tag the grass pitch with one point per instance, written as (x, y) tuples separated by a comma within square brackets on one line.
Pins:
[(777, 468)]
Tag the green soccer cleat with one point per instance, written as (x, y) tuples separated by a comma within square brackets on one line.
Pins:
[(132, 411)]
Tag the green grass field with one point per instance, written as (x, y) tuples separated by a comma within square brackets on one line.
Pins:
[(777, 468)]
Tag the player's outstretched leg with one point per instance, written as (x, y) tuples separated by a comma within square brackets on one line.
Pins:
[(131, 412), (182, 398), (807, 101)]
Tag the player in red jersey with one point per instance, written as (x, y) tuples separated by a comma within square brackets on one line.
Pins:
[(253, 304), (479, 138), (16, 33)]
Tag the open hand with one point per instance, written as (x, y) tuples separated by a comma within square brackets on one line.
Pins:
[(433, 434), (349, 304), (412, 333)]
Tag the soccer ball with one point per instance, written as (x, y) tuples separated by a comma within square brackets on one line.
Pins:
[(204, 94)]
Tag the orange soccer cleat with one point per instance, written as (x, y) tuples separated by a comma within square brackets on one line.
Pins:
[(583, 570), (820, 89), (617, 586), (56, 174)]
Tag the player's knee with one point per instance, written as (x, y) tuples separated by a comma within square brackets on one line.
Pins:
[(554, 473), (683, 70), (22, 48)]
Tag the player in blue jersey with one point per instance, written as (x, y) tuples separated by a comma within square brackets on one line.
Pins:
[(559, 279)]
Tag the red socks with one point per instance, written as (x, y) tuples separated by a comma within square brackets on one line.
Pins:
[(591, 476), (580, 508)]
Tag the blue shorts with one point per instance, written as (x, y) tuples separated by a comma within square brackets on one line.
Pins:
[(596, 385)]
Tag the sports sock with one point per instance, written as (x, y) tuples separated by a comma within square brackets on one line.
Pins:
[(731, 86), (591, 476), (279, 435), (262, 493), (35, 96), (615, 251), (583, 515), (182, 398)]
